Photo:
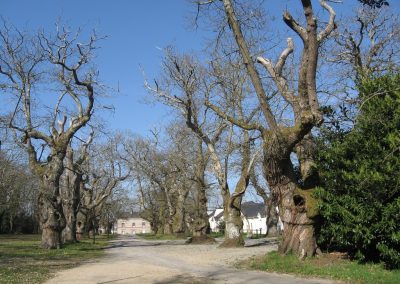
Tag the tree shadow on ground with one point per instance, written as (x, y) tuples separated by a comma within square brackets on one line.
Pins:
[(185, 279)]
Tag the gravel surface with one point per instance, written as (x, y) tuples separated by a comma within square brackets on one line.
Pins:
[(133, 260)]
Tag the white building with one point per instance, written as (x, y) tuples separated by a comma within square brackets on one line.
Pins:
[(214, 218), (253, 216)]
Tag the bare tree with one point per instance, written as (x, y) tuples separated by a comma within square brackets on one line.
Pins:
[(367, 44), (184, 74), (201, 223), (18, 192), (149, 204), (163, 183), (155, 181), (104, 172), (297, 206), (72, 183), (30, 65)]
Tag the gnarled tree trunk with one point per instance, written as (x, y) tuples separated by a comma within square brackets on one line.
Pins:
[(70, 195), (201, 223), (272, 218), (297, 206), (51, 215), (233, 203), (233, 222), (179, 225), (297, 209)]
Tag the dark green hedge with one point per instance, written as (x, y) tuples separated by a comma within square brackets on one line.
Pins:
[(360, 171)]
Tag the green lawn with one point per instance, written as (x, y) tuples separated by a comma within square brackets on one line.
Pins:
[(23, 261), (332, 266)]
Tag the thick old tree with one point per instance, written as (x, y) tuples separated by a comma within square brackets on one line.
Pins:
[(297, 206), (29, 65), (72, 183)]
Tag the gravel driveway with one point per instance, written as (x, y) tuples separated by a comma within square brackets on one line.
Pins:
[(133, 260)]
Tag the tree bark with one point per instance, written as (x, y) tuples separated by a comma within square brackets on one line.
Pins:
[(272, 218), (297, 206), (179, 226), (71, 194), (201, 223), (51, 216), (233, 226), (232, 214)]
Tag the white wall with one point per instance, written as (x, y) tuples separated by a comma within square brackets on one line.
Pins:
[(254, 225)]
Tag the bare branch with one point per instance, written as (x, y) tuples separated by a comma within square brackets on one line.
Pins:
[(296, 27), (240, 123), (331, 24)]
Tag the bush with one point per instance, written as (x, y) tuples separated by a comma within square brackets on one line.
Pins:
[(361, 182)]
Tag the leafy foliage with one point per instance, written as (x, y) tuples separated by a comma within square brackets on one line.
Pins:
[(361, 182)]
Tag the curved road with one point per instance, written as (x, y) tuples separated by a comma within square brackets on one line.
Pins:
[(133, 260)]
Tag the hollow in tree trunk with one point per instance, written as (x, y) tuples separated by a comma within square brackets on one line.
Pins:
[(298, 212)]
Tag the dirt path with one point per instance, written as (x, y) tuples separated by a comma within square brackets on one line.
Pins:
[(133, 260)]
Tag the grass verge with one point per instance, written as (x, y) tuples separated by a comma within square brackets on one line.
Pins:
[(331, 266), (150, 236), (216, 235), (23, 261)]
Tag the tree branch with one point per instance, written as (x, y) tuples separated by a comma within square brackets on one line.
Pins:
[(331, 24), (238, 122)]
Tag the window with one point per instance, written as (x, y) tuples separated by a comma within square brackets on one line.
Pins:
[(133, 224), (143, 224), (123, 225)]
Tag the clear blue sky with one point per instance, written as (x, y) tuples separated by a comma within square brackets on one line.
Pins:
[(136, 29)]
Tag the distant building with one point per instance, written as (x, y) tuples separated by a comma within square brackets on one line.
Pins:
[(253, 216), (214, 218), (132, 224)]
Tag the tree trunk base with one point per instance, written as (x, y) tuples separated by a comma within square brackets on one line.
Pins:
[(69, 236), (180, 235), (51, 239), (273, 232), (298, 239), (199, 240), (232, 243)]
